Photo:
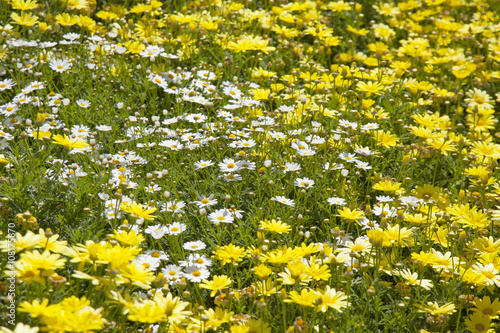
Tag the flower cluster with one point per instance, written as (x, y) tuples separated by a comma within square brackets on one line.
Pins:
[(246, 166)]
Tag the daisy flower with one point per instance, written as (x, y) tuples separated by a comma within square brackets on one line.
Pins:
[(336, 201), (304, 182), (196, 259), (103, 128), (157, 254), (363, 165), (350, 158), (221, 216), (176, 228), (194, 246), (284, 201), (369, 127), (173, 273), (156, 231), (71, 36), (196, 274), (7, 84), (83, 103), (204, 201), (60, 65), (229, 165), (148, 262), (292, 166), (173, 206), (412, 279), (203, 164), (230, 177), (384, 198)]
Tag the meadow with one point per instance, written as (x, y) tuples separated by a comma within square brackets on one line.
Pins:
[(249, 166)]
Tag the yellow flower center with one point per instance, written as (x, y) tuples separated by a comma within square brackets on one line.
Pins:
[(174, 229), (205, 201), (221, 218), (196, 273), (199, 261), (479, 100), (172, 273), (488, 311)]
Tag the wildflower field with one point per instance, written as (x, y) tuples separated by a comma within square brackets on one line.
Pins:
[(249, 166)]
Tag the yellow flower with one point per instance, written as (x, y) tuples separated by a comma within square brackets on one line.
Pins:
[(461, 72), (138, 210), (128, 238), (250, 43), (21, 243), (396, 236), (478, 323), (24, 4), (387, 186), (306, 298), (69, 143), (330, 298), (351, 215), (275, 227), (218, 283), (262, 271), (385, 139), (137, 275), (25, 19), (134, 47), (434, 309), (486, 307), (106, 16), (209, 25), (412, 279), (317, 272), (475, 219), (261, 94), (67, 20), (442, 145), (41, 134), (230, 253), (375, 236), (146, 312), (370, 88)]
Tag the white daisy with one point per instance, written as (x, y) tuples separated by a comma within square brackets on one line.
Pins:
[(304, 182), (221, 216), (336, 201), (83, 103), (156, 231), (60, 65), (196, 274), (194, 246), (176, 228), (284, 201)]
